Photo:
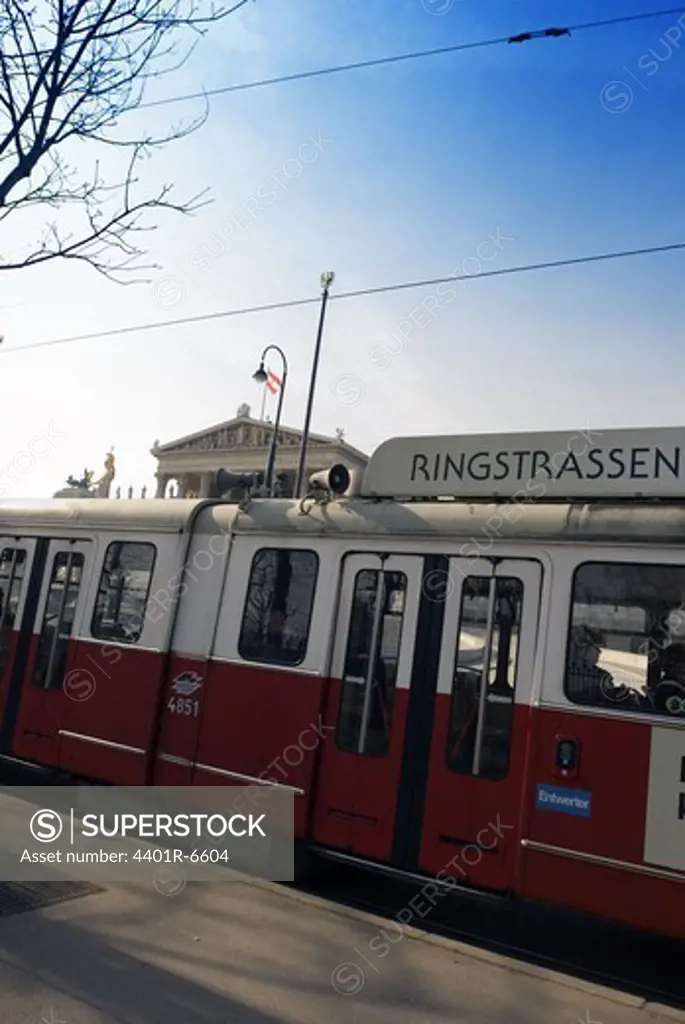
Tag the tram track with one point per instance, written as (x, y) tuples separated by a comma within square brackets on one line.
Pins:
[(644, 966)]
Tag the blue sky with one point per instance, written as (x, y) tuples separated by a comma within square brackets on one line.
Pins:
[(418, 165)]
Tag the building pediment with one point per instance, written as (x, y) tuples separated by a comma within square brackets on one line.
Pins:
[(242, 432), (221, 438)]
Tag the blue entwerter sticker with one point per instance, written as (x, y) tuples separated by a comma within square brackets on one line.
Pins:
[(567, 801)]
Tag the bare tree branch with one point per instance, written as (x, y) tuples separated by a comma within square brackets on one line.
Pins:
[(70, 70)]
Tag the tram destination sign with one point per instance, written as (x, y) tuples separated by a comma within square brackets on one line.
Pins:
[(608, 464)]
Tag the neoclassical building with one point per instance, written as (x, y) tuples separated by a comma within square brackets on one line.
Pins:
[(241, 445)]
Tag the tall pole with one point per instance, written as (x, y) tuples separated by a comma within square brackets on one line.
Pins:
[(327, 279)]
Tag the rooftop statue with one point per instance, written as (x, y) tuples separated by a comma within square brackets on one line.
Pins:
[(77, 487), (84, 484), (104, 484)]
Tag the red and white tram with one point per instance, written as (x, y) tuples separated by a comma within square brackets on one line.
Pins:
[(474, 667)]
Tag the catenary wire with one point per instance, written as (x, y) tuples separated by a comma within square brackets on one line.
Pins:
[(355, 294), (414, 55)]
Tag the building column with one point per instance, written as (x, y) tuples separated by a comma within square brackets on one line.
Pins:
[(162, 484), (206, 485), (182, 486)]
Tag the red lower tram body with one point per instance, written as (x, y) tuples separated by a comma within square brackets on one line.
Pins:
[(416, 758)]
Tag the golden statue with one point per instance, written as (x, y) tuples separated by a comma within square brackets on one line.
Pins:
[(105, 482)]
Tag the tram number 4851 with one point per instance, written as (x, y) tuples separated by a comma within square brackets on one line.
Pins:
[(183, 706)]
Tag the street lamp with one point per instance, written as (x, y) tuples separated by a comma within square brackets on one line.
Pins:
[(327, 279), (261, 376)]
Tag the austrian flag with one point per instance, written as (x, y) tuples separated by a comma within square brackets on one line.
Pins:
[(273, 382)]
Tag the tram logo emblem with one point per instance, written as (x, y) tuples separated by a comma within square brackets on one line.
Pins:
[(186, 684)]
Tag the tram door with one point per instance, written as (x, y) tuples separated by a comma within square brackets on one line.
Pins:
[(481, 721), (16, 556), (367, 703), (52, 604)]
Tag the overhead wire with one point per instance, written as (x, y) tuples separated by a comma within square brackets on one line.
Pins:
[(357, 65), (521, 37), (343, 296)]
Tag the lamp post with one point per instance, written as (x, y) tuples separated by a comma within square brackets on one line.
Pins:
[(261, 376), (327, 279)]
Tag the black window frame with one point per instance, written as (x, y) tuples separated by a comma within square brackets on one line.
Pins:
[(380, 573), (621, 704), (250, 658), (48, 674), (110, 634), (6, 597), (486, 774)]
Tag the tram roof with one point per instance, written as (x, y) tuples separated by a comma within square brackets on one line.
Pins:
[(140, 515), (620, 521), (635, 522)]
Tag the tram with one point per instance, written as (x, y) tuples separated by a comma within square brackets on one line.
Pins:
[(469, 665)]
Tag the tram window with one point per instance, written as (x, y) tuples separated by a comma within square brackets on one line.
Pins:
[(58, 620), (119, 612), (626, 644), (278, 606), (373, 648), (12, 564), (481, 714)]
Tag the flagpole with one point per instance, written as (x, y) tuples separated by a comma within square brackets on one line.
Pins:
[(263, 402)]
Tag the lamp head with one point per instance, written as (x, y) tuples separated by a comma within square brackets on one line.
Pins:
[(260, 374), (327, 278)]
